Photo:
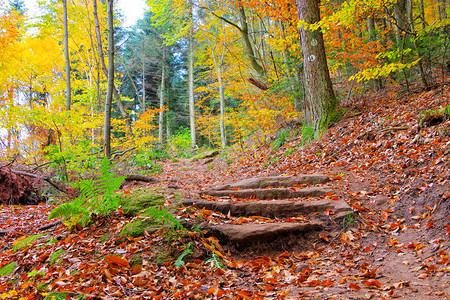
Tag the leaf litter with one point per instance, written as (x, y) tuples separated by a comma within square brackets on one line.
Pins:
[(393, 174)]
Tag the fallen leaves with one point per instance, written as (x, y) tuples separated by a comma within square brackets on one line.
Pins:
[(116, 261)]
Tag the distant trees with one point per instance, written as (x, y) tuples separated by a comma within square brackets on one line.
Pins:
[(225, 71)]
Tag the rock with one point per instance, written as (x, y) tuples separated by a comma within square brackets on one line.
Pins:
[(274, 181), (274, 193), (140, 199), (207, 154), (246, 234), (136, 228), (272, 208)]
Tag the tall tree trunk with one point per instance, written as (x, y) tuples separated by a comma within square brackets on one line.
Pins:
[(144, 108), (191, 86), (400, 19), (223, 138), (161, 97), (66, 55), (116, 93), (321, 103), (248, 45), (109, 93)]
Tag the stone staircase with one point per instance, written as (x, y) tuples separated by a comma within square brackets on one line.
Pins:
[(278, 201)]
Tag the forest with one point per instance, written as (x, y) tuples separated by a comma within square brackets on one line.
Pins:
[(234, 149)]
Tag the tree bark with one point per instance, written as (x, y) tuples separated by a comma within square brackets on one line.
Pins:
[(161, 97), (110, 87), (66, 55), (223, 138), (321, 103), (248, 45), (116, 93), (191, 87), (144, 108)]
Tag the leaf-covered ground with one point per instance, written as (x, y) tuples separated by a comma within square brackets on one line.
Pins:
[(394, 175)]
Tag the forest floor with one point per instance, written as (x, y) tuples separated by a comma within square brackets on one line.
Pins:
[(393, 173)]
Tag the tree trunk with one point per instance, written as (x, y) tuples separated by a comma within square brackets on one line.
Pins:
[(109, 93), (116, 94), (248, 45), (222, 105), (144, 108), (191, 86), (161, 97), (400, 19), (321, 103), (66, 54)]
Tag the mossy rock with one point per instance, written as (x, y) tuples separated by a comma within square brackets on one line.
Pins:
[(207, 154), (140, 199), (167, 255), (8, 269), (434, 117), (136, 228), (55, 258)]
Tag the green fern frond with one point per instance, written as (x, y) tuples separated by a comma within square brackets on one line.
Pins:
[(165, 218), (187, 250), (97, 196), (67, 210)]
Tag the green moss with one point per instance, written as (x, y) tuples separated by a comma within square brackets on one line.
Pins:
[(167, 255), (137, 227), (8, 269), (55, 257), (104, 238), (136, 259), (206, 154), (58, 295), (52, 241), (140, 199), (27, 241), (428, 114), (332, 114)]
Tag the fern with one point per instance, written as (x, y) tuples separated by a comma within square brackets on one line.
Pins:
[(187, 250), (97, 196), (164, 217)]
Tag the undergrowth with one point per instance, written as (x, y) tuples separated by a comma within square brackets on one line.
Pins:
[(165, 218), (97, 197)]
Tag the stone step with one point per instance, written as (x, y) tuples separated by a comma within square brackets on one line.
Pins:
[(271, 208), (248, 234), (274, 181), (272, 193)]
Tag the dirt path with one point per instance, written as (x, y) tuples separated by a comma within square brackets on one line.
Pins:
[(387, 253)]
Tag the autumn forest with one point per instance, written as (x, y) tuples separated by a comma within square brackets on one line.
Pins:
[(168, 134)]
